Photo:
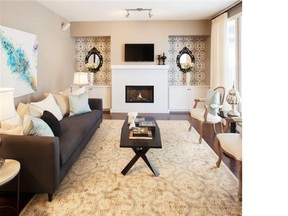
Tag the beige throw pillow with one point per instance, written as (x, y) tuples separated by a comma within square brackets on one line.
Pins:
[(63, 103), (22, 109), (48, 104)]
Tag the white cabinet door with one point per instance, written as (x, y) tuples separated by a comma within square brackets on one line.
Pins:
[(181, 98), (103, 92)]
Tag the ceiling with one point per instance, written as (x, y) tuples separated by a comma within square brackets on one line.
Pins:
[(101, 10)]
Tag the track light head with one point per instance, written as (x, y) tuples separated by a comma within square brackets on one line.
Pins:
[(139, 10), (65, 26), (150, 14)]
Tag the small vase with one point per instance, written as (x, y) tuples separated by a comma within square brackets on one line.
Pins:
[(91, 78), (188, 78)]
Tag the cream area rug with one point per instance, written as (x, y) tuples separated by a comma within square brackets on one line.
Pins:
[(189, 182)]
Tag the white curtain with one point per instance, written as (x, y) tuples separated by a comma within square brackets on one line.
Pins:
[(219, 75)]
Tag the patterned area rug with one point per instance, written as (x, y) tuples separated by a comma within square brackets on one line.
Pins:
[(189, 182)]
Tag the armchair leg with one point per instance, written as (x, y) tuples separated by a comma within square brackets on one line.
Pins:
[(240, 180), (219, 153), (214, 128), (190, 127), (50, 197), (200, 131), (221, 125)]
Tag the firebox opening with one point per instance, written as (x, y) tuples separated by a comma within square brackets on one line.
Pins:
[(139, 94)]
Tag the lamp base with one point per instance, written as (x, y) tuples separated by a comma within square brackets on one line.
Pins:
[(233, 112)]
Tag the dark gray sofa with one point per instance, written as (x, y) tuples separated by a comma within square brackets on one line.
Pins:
[(46, 160)]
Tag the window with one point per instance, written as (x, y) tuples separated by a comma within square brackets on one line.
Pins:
[(234, 51)]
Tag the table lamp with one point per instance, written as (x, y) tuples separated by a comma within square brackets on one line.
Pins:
[(81, 79), (7, 110), (233, 98)]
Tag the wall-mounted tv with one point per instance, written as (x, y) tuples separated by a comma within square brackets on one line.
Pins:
[(139, 52)]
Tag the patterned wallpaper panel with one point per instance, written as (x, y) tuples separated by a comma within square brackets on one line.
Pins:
[(103, 44), (197, 44)]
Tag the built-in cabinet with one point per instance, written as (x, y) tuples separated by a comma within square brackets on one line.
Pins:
[(181, 98), (103, 92)]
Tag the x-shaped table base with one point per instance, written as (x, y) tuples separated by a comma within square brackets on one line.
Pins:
[(140, 152)]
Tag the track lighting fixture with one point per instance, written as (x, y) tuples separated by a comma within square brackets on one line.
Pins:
[(65, 26), (139, 10)]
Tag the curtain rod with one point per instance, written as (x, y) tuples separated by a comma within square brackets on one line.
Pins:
[(228, 8)]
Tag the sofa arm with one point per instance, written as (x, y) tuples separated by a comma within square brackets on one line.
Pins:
[(39, 159), (96, 103)]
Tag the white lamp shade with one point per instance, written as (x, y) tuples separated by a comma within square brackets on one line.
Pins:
[(80, 78), (7, 108)]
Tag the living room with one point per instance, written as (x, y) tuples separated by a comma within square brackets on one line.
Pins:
[(59, 58)]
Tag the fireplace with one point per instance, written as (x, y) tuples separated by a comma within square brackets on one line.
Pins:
[(139, 94)]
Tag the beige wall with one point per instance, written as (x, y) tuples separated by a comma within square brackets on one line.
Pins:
[(55, 48), (156, 32)]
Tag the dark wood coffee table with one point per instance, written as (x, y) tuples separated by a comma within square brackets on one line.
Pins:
[(140, 146)]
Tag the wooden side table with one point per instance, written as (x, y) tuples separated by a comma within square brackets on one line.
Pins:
[(229, 122), (9, 171)]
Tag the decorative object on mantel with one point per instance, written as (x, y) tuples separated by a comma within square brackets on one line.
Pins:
[(161, 58), (158, 59), (233, 98), (7, 110), (185, 61)]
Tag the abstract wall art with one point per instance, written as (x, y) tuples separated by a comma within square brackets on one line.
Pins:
[(18, 61)]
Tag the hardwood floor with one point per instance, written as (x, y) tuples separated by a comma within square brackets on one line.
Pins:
[(208, 135)]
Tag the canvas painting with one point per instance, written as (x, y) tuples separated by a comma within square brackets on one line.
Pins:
[(18, 61)]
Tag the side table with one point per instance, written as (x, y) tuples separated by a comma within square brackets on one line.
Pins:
[(8, 172), (229, 121)]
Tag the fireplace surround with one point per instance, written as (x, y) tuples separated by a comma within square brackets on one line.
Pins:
[(139, 75)]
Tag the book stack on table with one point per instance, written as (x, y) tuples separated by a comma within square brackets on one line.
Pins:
[(144, 129)]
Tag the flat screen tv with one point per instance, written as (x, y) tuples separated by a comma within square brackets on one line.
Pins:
[(139, 52)]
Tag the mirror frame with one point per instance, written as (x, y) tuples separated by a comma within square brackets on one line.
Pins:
[(94, 51), (185, 50)]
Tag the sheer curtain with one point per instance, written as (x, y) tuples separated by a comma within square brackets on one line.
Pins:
[(219, 75)]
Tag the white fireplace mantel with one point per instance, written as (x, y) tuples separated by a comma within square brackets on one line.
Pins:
[(140, 67), (156, 75)]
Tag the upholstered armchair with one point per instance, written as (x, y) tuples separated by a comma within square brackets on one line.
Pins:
[(208, 112), (231, 145)]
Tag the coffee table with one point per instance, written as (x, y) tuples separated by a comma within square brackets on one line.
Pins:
[(140, 146)]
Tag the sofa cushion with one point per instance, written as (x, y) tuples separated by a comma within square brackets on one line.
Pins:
[(49, 104), (213, 101), (74, 130), (40, 128), (52, 121), (79, 104)]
